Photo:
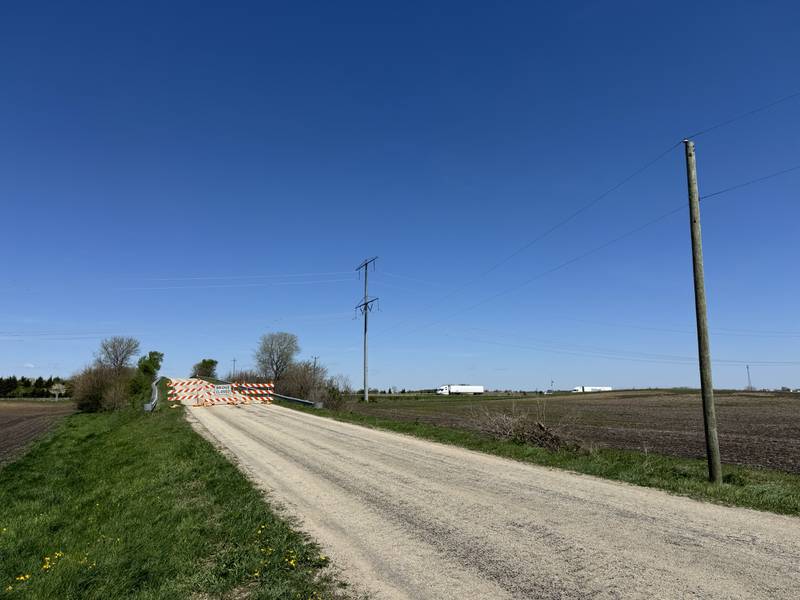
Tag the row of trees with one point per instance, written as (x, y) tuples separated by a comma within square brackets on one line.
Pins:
[(24, 387)]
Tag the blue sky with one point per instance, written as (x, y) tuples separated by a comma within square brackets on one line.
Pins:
[(198, 174)]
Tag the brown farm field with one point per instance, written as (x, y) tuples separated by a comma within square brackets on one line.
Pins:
[(22, 421), (760, 429)]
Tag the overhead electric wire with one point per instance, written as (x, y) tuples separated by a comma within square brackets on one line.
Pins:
[(614, 355), (578, 212), (751, 182), (612, 189), (277, 276), (409, 278), (634, 353), (548, 231), (235, 285), (553, 269), (743, 115), (597, 249), (716, 331)]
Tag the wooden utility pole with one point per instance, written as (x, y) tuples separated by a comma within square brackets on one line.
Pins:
[(704, 351)]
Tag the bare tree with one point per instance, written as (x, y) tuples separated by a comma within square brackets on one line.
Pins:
[(303, 380), (117, 352), (246, 375), (275, 353)]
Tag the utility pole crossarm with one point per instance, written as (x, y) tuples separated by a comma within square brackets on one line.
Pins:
[(366, 263), (366, 304)]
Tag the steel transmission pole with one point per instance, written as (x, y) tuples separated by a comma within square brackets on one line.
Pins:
[(366, 354), (704, 351), (365, 306)]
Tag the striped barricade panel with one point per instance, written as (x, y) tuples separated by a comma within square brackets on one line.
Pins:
[(260, 392), (204, 393)]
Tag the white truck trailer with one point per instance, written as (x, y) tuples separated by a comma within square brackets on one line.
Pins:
[(460, 389), (591, 388)]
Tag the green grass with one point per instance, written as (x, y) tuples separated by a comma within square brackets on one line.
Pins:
[(759, 489), (133, 505)]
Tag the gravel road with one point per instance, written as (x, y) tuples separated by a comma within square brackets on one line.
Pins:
[(407, 518)]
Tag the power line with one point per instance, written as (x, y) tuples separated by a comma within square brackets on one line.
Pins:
[(625, 180), (234, 285), (632, 357), (578, 212), (221, 277), (556, 268), (409, 278), (715, 331), (751, 182), (744, 115), (597, 249), (550, 230)]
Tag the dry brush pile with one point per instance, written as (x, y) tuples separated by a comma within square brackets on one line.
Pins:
[(520, 427)]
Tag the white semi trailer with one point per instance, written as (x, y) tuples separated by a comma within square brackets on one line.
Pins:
[(460, 389), (591, 388)]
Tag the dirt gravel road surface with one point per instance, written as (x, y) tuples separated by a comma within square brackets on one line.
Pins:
[(407, 518)]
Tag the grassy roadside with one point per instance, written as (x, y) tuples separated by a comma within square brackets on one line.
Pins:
[(133, 505), (759, 489)]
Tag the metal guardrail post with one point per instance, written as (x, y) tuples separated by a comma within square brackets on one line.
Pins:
[(151, 406)]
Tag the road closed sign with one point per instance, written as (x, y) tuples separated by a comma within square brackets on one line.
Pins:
[(222, 390)]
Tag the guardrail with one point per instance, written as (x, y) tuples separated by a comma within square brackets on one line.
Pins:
[(298, 400), (151, 406)]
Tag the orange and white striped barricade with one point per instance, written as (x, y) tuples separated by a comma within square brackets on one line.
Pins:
[(187, 390), (199, 392), (257, 392)]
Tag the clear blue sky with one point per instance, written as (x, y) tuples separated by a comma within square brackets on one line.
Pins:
[(198, 174)]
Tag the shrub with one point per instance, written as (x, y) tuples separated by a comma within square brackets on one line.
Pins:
[(116, 396), (303, 380), (89, 385), (337, 393), (98, 388)]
